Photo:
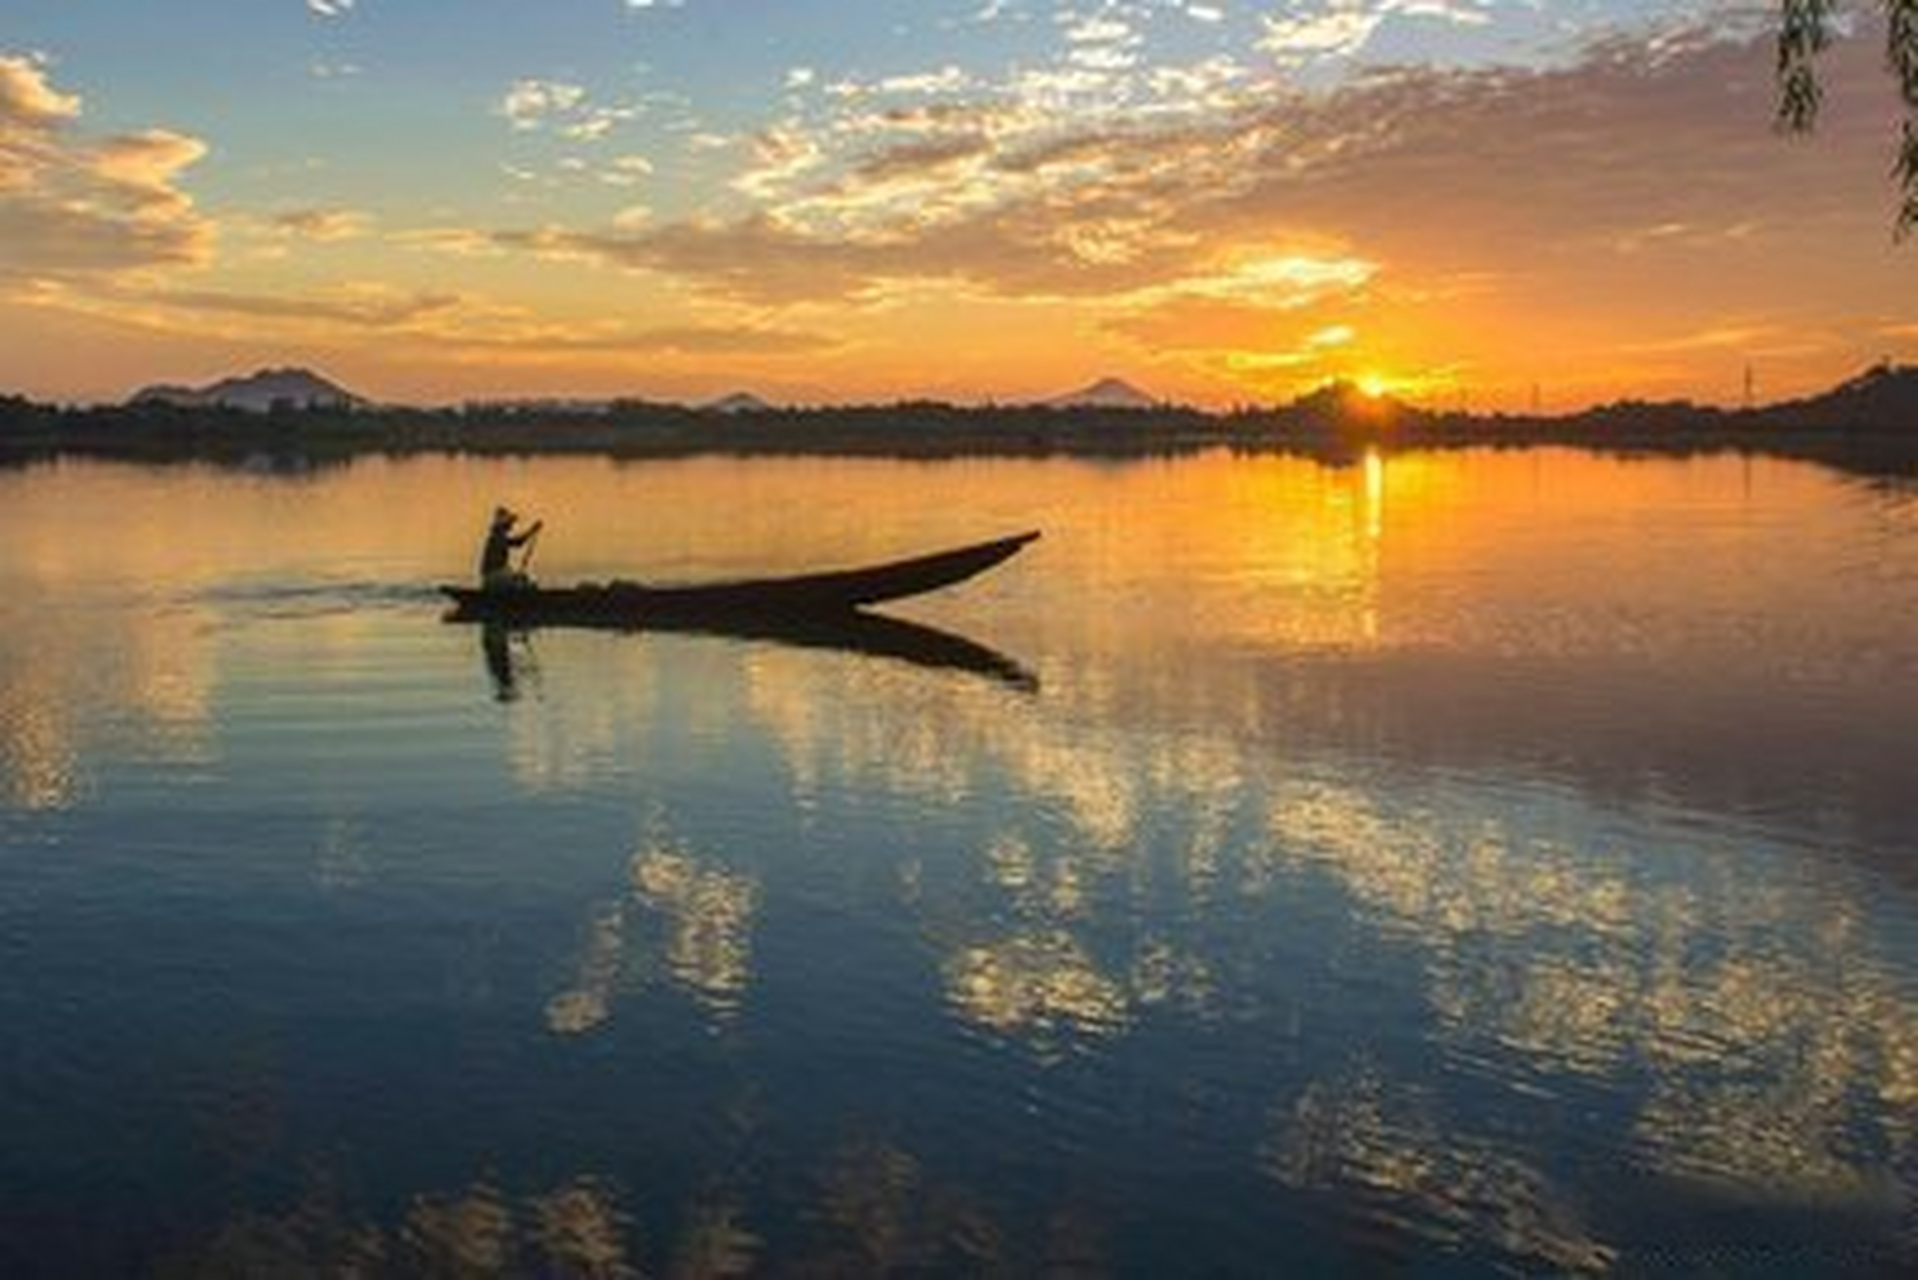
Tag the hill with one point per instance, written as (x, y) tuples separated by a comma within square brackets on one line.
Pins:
[(258, 392), (738, 402), (1883, 397), (1106, 393)]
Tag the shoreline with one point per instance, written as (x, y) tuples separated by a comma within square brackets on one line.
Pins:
[(1342, 431)]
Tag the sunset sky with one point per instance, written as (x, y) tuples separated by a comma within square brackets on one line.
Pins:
[(821, 200)]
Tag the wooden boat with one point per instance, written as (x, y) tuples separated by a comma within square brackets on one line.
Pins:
[(807, 595)]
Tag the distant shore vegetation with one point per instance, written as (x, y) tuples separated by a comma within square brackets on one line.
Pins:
[(1868, 424)]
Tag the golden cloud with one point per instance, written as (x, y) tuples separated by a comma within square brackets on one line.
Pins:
[(70, 206), (324, 225), (27, 100)]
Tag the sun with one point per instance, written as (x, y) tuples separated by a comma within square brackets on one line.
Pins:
[(1373, 385)]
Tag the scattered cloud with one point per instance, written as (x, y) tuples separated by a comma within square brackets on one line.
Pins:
[(357, 306), (27, 99), (73, 204), (531, 104), (687, 340), (1310, 186), (1335, 30), (326, 226), (456, 323), (140, 168), (595, 123), (1262, 229), (1255, 300), (625, 171)]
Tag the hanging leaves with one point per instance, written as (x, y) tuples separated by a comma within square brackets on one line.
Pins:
[(1805, 31)]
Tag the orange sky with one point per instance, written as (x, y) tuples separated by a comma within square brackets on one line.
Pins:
[(1344, 190)]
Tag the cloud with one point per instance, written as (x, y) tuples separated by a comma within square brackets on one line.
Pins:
[(1188, 323), (27, 101), (530, 104), (760, 262), (1339, 30), (625, 171), (329, 8), (1250, 300), (141, 168), (460, 324), (208, 311), (685, 340), (357, 306), (326, 226), (1213, 213), (1431, 216), (73, 205)]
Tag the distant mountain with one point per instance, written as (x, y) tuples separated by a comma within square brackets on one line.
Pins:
[(258, 392), (1106, 393), (1884, 396), (738, 402)]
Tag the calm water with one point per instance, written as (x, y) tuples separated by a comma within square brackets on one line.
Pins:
[(1447, 864)]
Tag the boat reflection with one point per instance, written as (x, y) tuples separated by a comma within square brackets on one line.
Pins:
[(872, 634)]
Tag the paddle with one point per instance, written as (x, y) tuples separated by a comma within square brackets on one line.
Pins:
[(526, 556)]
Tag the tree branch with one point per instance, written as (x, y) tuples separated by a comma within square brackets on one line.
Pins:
[(1804, 32)]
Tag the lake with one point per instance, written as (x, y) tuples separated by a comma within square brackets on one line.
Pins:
[(1448, 863)]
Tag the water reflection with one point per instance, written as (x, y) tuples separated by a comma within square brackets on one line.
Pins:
[(1376, 1147), (78, 682), (715, 1244), (708, 913), (870, 1207), (1503, 858), (870, 634), (1740, 997), (577, 1229), (588, 1002), (496, 646), (1039, 985), (699, 921)]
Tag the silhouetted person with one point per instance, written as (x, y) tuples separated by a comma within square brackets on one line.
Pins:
[(496, 561)]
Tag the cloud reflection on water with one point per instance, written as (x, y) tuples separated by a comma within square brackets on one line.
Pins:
[(1387, 785)]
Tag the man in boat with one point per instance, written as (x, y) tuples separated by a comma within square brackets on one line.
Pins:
[(496, 561)]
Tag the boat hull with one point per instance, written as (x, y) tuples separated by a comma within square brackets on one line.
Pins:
[(807, 595)]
